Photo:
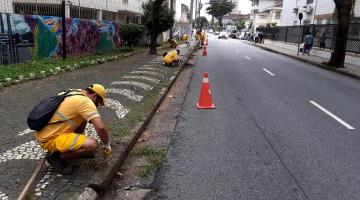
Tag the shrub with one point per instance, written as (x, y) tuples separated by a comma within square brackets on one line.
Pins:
[(131, 33)]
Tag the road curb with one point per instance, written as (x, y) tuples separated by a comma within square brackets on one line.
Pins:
[(340, 71), (88, 193)]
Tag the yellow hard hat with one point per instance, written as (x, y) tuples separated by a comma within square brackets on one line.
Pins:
[(99, 90)]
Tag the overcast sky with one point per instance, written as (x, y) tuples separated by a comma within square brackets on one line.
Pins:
[(244, 7)]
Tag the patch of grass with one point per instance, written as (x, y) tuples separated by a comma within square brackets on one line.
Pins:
[(155, 156), (146, 171), (138, 112), (121, 132)]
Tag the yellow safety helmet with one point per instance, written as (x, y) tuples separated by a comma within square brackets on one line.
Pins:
[(99, 90)]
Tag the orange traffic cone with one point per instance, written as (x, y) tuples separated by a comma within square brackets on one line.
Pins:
[(204, 51), (205, 100)]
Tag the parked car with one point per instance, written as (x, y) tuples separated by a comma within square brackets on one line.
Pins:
[(217, 33), (243, 35), (223, 35), (233, 34)]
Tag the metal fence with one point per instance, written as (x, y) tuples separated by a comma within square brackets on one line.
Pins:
[(295, 34)]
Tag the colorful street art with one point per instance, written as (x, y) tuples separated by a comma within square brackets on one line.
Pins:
[(83, 36)]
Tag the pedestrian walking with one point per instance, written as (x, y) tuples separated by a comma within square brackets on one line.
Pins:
[(256, 37), (308, 42), (322, 40), (63, 136), (261, 37), (172, 57)]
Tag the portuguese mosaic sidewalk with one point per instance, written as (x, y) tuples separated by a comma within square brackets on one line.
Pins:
[(136, 85)]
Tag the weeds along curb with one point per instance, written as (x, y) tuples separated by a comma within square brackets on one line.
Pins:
[(62, 69), (92, 192), (343, 72)]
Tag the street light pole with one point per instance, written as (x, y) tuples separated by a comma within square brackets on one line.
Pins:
[(171, 29), (191, 16), (63, 23)]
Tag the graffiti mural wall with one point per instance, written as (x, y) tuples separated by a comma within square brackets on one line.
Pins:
[(83, 36)]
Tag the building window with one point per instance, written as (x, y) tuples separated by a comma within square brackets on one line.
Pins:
[(277, 15), (309, 1)]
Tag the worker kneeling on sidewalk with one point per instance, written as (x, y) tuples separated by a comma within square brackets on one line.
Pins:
[(173, 43), (64, 137), (171, 58)]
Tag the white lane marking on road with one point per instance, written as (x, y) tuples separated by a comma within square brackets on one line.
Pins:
[(146, 72), (332, 115), (26, 131), (29, 150), (237, 51), (3, 196), (128, 93), (247, 58), (268, 72), (121, 111), (133, 83), (154, 80)]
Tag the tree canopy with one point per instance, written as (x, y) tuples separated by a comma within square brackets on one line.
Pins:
[(220, 8), (158, 18), (201, 22)]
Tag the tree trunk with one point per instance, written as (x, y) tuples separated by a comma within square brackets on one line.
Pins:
[(344, 15), (220, 23), (153, 43)]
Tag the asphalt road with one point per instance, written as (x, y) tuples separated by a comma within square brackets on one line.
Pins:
[(281, 129)]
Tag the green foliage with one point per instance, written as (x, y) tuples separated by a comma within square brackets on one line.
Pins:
[(158, 18), (270, 25), (220, 8), (240, 25), (45, 41), (38, 65), (132, 33), (156, 157), (202, 22)]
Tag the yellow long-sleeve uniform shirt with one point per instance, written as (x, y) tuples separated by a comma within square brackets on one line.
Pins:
[(171, 57)]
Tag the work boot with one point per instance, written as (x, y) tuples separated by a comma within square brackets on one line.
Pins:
[(59, 165)]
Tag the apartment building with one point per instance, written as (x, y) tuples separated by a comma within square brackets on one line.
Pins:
[(314, 12), (265, 13), (117, 10)]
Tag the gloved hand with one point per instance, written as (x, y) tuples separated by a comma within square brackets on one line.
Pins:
[(106, 150)]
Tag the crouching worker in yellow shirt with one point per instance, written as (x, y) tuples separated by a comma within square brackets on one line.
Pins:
[(173, 43), (64, 137), (171, 57)]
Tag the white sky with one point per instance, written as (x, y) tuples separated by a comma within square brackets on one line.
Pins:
[(244, 7)]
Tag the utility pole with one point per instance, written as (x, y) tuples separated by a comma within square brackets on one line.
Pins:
[(171, 29), (191, 16), (63, 23)]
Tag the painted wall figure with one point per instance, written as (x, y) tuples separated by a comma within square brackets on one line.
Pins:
[(83, 36)]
